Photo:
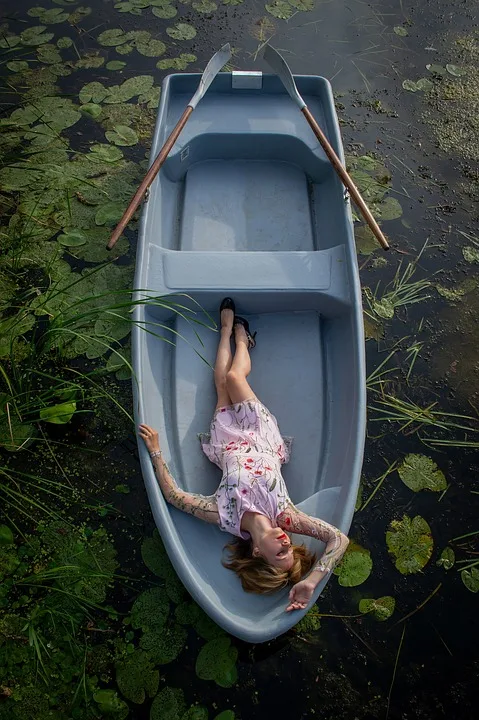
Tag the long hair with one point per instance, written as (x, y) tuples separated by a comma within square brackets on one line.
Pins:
[(257, 575)]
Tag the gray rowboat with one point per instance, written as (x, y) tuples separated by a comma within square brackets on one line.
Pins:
[(248, 205)]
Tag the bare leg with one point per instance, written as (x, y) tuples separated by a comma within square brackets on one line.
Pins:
[(224, 358), (238, 387)]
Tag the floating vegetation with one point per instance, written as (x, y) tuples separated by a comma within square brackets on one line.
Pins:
[(380, 609), (125, 42), (179, 63), (401, 292), (410, 543), (419, 472), (181, 31), (285, 9), (421, 85), (447, 558), (355, 567), (217, 661), (400, 30), (470, 578)]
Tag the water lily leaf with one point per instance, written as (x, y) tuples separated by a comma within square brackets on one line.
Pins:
[(150, 609), (91, 109), (122, 135), (366, 242), (113, 37), (49, 17), (383, 308), (122, 489), (64, 42), (169, 704), (109, 213), (410, 85), (7, 42), (419, 472), (380, 609), (187, 613), (303, 5), (136, 676), (17, 65), (152, 48), (35, 35), (424, 84), (197, 712), (400, 30), (471, 254), (102, 152), (225, 715), (355, 567), (6, 535), (79, 14), (165, 12), (447, 558), (390, 209), (280, 9), (93, 92), (470, 578), (436, 69), (155, 556), (164, 644), (59, 414), (89, 61), (310, 623), (125, 49), (109, 703), (456, 71), (410, 543), (205, 6), (72, 238), (217, 661), (14, 435), (179, 63), (181, 31), (48, 54), (115, 65)]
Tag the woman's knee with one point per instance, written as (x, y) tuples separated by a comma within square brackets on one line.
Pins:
[(234, 378)]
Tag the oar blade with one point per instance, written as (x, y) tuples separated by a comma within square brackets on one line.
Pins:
[(218, 61), (279, 66)]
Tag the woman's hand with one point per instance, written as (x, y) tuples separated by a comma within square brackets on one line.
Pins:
[(150, 437), (300, 595)]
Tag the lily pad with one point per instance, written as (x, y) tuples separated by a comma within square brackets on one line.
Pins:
[(471, 254), (59, 414), (64, 42), (205, 7), (109, 214), (390, 209), (447, 558), (400, 30), (155, 556), (310, 623), (150, 609), (115, 65), (112, 37), (152, 48), (136, 676), (105, 153), (470, 578), (456, 71), (380, 609), (72, 238), (122, 135), (181, 31), (164, 644), (225, 715), (355, 567), (217, 661), (419, 472), (436, 69), (169, 704), (366, 242), (166, 11), (91, 109), (420, 85), (410, 543), (35, 35), (6, 535), (280, 9), (93, 92), (303, 5), (110, 704), (17, 65)]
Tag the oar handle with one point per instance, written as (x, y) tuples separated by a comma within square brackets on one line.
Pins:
[(346, 179), (149, 177)]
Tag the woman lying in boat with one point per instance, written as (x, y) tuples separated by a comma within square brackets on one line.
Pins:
[(252, 501)]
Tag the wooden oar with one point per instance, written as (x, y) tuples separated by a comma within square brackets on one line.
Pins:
[(279, 66), (218, 60)]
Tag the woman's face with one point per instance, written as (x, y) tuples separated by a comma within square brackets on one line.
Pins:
[(275, 547)]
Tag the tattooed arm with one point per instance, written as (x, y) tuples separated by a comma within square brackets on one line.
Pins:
[(203, 507), (295, 521)]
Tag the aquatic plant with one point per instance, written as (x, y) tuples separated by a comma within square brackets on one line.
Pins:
[(355, 567), (410, 543)]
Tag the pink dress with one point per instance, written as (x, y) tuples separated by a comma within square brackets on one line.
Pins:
[(247, 446)]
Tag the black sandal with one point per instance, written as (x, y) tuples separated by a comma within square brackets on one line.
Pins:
[(251, 336)]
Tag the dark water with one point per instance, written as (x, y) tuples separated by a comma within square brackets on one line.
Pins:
[(345, 670)]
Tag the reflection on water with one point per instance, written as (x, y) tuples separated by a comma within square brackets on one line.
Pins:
[(403, 148)]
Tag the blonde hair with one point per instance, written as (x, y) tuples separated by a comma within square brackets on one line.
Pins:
[(259, 576)]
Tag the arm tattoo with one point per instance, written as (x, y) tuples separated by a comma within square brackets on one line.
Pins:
[(298, 522), (203, 507)]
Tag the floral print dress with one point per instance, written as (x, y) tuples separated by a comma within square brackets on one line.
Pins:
[(247, 446)]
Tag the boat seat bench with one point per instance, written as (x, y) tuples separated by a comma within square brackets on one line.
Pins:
[(322, 272)]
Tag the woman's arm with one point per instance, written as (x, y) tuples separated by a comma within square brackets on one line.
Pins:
[(203, 507)]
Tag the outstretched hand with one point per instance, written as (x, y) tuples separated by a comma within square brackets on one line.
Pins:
[(300, 595), (150, 437)]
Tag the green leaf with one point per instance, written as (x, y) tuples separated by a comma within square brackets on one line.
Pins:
[(105, 153), (181, 31), (115, 65), (35, 35), (456, 71), (217, 661), (155, 556), (471, 254), (49, 17), (366, 242), (165, 12), (150, 609), (410, 85), (280, 9), (123, 489), (436, 69), (169, 704), (122, 135), (390, 209), (109, 214), (447, 558), (188, 613), (310, 623), (424, 84), (109, 703), (64, 42), (113, 37), (17, 65), (58, 414), (164, 644), (72, 238), (380, 609), (152, 48), (303, 5), (93, 92), (91, 109), (355, 567), (410, 543), (197, 712), (6, 535), (419, 472), (206, 7), (470, 578), (400, 30), (225, 715), (136, 676)]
